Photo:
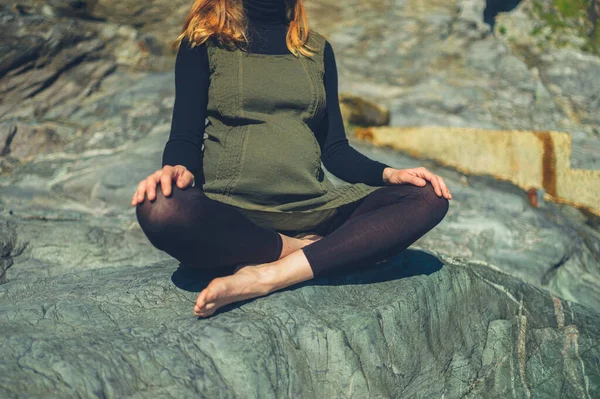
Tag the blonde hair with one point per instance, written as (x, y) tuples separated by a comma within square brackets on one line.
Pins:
[(226, 21)]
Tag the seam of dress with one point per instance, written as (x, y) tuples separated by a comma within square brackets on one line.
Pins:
[(210, 55), (236, 158), (311, 113), (223, 143), (321, 74), (227, 166), (240, 83), (222, 154), (318, 66)]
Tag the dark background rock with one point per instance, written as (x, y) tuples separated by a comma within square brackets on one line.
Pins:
[(9, 247), (48, 62)]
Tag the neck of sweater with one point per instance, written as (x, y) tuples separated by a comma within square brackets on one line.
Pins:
[(265, 13)]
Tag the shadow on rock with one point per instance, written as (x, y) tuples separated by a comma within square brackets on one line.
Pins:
[(407, 263)]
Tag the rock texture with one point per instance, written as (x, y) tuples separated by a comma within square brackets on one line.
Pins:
[(497, 301), (414, 326), (538, 160), (8, 248), (438, 63), (56, 56)]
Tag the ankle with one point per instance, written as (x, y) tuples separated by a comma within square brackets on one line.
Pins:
[(310, 238), (288, 245), (291, 244), (267, 277)]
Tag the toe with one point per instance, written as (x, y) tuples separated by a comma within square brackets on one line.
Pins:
[(203, 313), (199, 312), (209, 312), (201, 301)]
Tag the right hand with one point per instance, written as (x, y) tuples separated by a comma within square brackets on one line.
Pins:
[(164, 176)]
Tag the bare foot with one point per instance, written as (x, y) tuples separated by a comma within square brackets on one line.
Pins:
[(247, 282), (253, 280), (290, 244)]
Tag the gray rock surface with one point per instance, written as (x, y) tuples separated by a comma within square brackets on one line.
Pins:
[(497, 301), (8, 248), (415, 326)]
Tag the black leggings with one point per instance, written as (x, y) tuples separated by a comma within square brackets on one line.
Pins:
[(207, 234)]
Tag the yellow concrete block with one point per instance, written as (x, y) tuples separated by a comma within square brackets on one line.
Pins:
[(529, 159)]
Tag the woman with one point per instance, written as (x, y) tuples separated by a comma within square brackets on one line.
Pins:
[(245, 193)]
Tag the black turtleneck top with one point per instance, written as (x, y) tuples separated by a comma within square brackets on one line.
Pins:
[(267, 28)]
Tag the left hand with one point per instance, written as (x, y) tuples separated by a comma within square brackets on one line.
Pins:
[(417, 176)]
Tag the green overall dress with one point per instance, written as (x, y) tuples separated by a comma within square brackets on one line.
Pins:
[(260, 151)]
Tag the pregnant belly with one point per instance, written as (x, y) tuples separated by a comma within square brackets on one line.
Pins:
[(280, 164)]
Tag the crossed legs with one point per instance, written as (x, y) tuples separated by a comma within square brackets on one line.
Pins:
[(207, 234)]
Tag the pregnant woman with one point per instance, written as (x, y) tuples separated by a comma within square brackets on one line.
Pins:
[(242, 187)]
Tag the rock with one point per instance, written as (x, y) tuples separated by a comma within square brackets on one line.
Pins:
[(48, 64), (24, 141), (91, 309), (9, 247), (555, 39), (543, 26), (469, 21), (362, 112), (444, 53), (570, 74), (412, 326)]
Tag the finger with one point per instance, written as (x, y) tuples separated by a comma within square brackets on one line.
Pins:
[(416, 180), (134, 199), (436, 185), (178, 176), (141, 190), (422, 172), (444, 188), (434, 181), (165, 181), (151, 182), (185, 179)]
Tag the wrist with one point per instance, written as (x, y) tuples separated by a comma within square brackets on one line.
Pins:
[(387, 173)]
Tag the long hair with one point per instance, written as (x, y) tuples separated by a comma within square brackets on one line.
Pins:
[(225, 20)]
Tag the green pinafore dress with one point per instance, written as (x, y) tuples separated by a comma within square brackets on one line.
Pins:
[(260, 150)]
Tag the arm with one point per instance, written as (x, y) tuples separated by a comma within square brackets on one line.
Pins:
[(185, 144), (337, 155)]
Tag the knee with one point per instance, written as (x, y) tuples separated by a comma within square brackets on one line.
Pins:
[(151, 215), (158, 215), (427, 202), (437, 205)]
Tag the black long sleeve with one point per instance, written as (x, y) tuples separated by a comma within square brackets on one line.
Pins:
[(338, 156), (185, 144)]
